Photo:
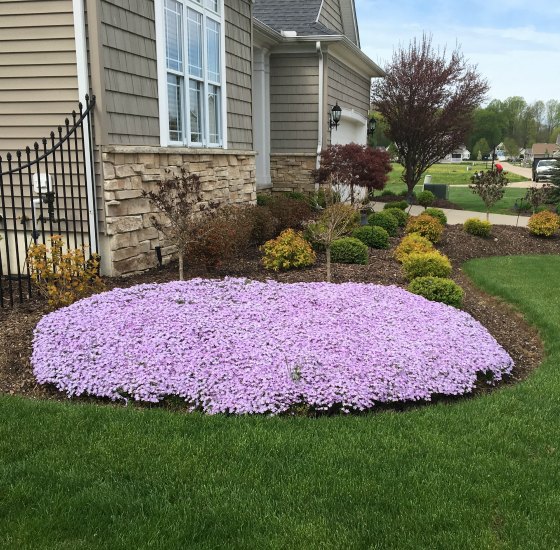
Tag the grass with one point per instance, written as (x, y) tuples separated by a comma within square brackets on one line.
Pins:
[(467, 200), (479, 473), (452, 174)]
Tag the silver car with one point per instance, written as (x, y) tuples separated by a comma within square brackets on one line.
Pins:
[(545, 169)]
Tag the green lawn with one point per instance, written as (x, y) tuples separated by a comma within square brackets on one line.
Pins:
[(480, 473), (467, 200)]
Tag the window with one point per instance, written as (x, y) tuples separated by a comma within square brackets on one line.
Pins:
[(193, 45)]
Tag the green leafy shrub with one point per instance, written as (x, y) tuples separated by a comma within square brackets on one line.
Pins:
[(349, 250), (288, 251), (402, 205), (400, 215), (412, 243), (264, 199), (477, 227), (438, 290), (388, 193), (437, 213), (426, 264), (297, 196), (544, 224), (386, 220), (373, 236), (404, 193), (425, 198), (425, 225)]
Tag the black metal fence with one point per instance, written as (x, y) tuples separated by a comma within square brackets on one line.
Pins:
[(47, 190)]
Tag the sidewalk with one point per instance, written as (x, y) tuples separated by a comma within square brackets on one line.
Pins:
[(455, 217)]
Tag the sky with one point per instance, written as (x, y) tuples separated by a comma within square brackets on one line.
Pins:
[(514, 43)]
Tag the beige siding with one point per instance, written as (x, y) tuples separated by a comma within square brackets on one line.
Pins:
[(238, 73), (38, 76), (348, 21), (129, 56), (350, 89), (331, 16), (294, 91)]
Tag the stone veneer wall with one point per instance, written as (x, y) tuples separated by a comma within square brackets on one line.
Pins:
[(293, 172), (130, 239)]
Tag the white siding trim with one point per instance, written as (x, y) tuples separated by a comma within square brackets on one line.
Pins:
[(161, 74), (321, 103), (83, 89)]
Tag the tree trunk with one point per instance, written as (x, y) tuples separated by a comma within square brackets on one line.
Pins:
[(181, 268), (487, 215), (328, 264)]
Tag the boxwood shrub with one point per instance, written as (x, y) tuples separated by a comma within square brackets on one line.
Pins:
[(479, 228), (385, 219), (426, 264), (400, 215), (401, 205), (425, 198), (438, 289), (437, 213), (349, 250), (372, 236)]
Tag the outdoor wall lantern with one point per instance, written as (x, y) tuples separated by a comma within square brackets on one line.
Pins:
[(372, 123), (334, 117)]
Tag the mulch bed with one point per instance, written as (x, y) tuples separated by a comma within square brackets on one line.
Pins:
[(506, 325)]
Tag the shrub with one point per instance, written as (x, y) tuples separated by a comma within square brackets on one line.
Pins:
[(349, 250), (438, 290), (402, 205), (425, 225), (288, 251), (221, 236), (425, 198), (412, 243), (437, 213), (400, 215), (264, 199), (290, 213), (63, 277), (426, 264), (373, 236), (479, 228), (404, 193), (386, 220), (388, 193), (297, 196), (264, 225), (544, 224)]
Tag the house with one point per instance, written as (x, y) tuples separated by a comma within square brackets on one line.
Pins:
[(458, 155), (237, 91), (541, 151)]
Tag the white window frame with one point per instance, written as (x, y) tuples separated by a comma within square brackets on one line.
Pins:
[(165, 141)]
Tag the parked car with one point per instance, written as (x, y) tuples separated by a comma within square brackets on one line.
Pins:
[(545, 169)]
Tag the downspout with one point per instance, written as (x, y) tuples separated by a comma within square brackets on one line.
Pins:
[(321, 103)]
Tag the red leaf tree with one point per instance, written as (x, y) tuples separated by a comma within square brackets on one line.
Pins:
[(428, 101), (353, 166)]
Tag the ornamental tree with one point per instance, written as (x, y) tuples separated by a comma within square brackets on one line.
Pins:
[(180, 199), (490, 187), (353, 166), (428, 100)]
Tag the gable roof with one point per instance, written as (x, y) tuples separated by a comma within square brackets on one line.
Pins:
[(290, 15), (543, 148)]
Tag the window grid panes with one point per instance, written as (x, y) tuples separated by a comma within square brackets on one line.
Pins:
[(193, 44)]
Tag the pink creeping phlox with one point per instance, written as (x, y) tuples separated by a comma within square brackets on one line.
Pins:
[(240, 346)]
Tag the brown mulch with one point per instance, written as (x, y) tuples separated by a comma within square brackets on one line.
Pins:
[(506, 325)]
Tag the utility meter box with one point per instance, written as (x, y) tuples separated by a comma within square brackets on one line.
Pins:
[(42, 183)]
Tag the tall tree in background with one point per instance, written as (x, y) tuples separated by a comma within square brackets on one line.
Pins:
[(428, 102)]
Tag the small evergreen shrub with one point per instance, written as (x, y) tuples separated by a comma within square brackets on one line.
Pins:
[(412, 243), (264, 199), (478, 228), (544, 224), (426, 264), (404, 194), (386, 220), (349, 250), (372, 236), (425, 198), (438, 214), (388, 193), (425, 225), (400, 215), (438, 290), (288, 251), (402, 205)]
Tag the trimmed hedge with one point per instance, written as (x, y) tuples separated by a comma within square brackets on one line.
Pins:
[(425, 198), (386, 220), (400, 215), (349, 250), (401, 205), (437, 213), (426, 264), (438, 290), (478, 228), (373, 236)]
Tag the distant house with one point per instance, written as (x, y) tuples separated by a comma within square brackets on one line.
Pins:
[(458, 155), (238, 92), (542, 151)]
